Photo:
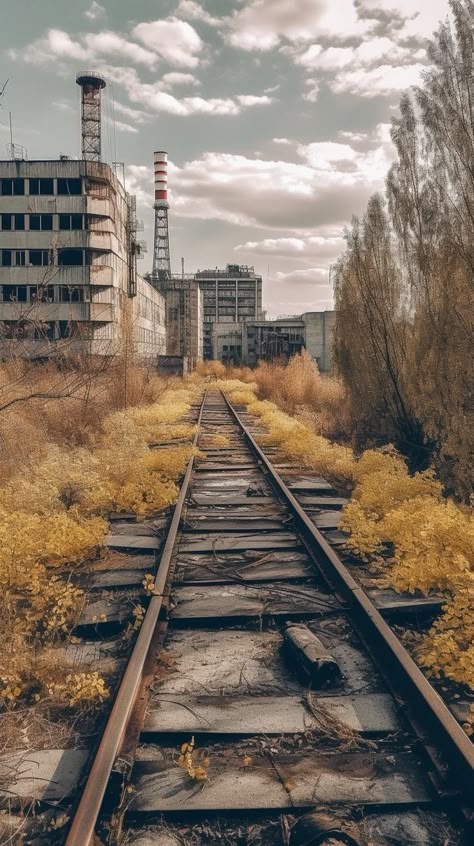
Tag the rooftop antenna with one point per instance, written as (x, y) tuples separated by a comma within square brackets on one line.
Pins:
[(182, 266), (91, 84)]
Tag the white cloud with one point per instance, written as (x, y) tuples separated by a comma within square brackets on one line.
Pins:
[(94, 11), (253, 100), (137, 115), (312, 93), (154, 99), (415, 19), (168, 80), (194, 11), (262, 25), (91, 47), (313, 246), (283, 141), (382, 80), (177, 42)]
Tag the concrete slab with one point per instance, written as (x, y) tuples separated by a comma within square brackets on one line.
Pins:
[(227, 568), (132, 543), (133, 529), (244, 715), (280, 781), (230, 498), (246, 662), (327, 519), (119, 579), (241, 601), (48, 775), (226, 524), (221, 542), (108, 611), (404, 604)]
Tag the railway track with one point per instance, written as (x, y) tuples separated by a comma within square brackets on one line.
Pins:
[(267, 700)]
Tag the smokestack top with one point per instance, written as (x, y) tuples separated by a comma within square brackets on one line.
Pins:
[(161, 176)]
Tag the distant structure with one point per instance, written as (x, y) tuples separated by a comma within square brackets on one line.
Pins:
[(91, 84), (267, 340), (161, 248), (231, 296)]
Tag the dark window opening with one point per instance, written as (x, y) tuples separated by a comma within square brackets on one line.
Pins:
[(41, 222), (69, 186), (39, 258), (70, 221), (6, 258), (19, 222), (7, 222), (12, 187), (70, 257), (20, 258), (71, 294), (41, 187)]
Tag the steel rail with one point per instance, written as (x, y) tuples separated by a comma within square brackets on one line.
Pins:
[(433, 722), (81, 832)]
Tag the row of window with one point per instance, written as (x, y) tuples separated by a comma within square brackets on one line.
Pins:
[(51, 330), (44, 294), (40, 187), (65, 256), (40, 222)]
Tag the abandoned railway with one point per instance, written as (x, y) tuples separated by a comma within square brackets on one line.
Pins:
[(267, 699)]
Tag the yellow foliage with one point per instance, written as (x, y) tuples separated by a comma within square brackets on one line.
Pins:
[(218, 441), (401, 521), (186, 760), (78, 688), (49, 518)]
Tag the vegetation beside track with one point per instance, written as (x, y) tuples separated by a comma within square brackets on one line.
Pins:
[(53, 511), (414, 537)]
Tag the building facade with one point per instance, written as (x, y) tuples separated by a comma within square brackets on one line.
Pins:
[(267, 340), (230, 296), (68, 272)]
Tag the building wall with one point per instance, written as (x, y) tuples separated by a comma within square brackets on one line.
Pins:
[(184, 325), (319, 329), (232, 296), (66, 271)]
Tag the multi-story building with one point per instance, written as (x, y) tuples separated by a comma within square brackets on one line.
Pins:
[(233, 295), (68, 261)]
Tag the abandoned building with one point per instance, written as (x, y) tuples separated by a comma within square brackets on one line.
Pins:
[(265, 340), (68, 261)]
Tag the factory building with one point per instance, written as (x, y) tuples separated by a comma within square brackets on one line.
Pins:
[(230, 296), (266, 340)]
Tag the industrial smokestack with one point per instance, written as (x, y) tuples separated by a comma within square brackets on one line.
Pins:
[(91, 129), (161, 252), (161, 177)]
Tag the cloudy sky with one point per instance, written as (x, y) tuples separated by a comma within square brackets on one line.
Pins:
[(275, 113)]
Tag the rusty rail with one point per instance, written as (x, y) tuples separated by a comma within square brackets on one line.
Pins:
[(83, 825), (434, 724)]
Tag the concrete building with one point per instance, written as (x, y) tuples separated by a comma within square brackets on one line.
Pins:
[(184, 318), (230, 296), (266, 340), (68, 261)]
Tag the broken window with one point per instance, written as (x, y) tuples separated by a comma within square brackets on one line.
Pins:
[(41, 222), (41, 187), (69, 186), (70, 257), (12, 187), (70, 221)]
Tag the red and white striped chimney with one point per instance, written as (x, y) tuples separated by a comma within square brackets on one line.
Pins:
[(161, 176)]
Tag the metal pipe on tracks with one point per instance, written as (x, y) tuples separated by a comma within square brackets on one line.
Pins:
[(433, 722), (81, 832)]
